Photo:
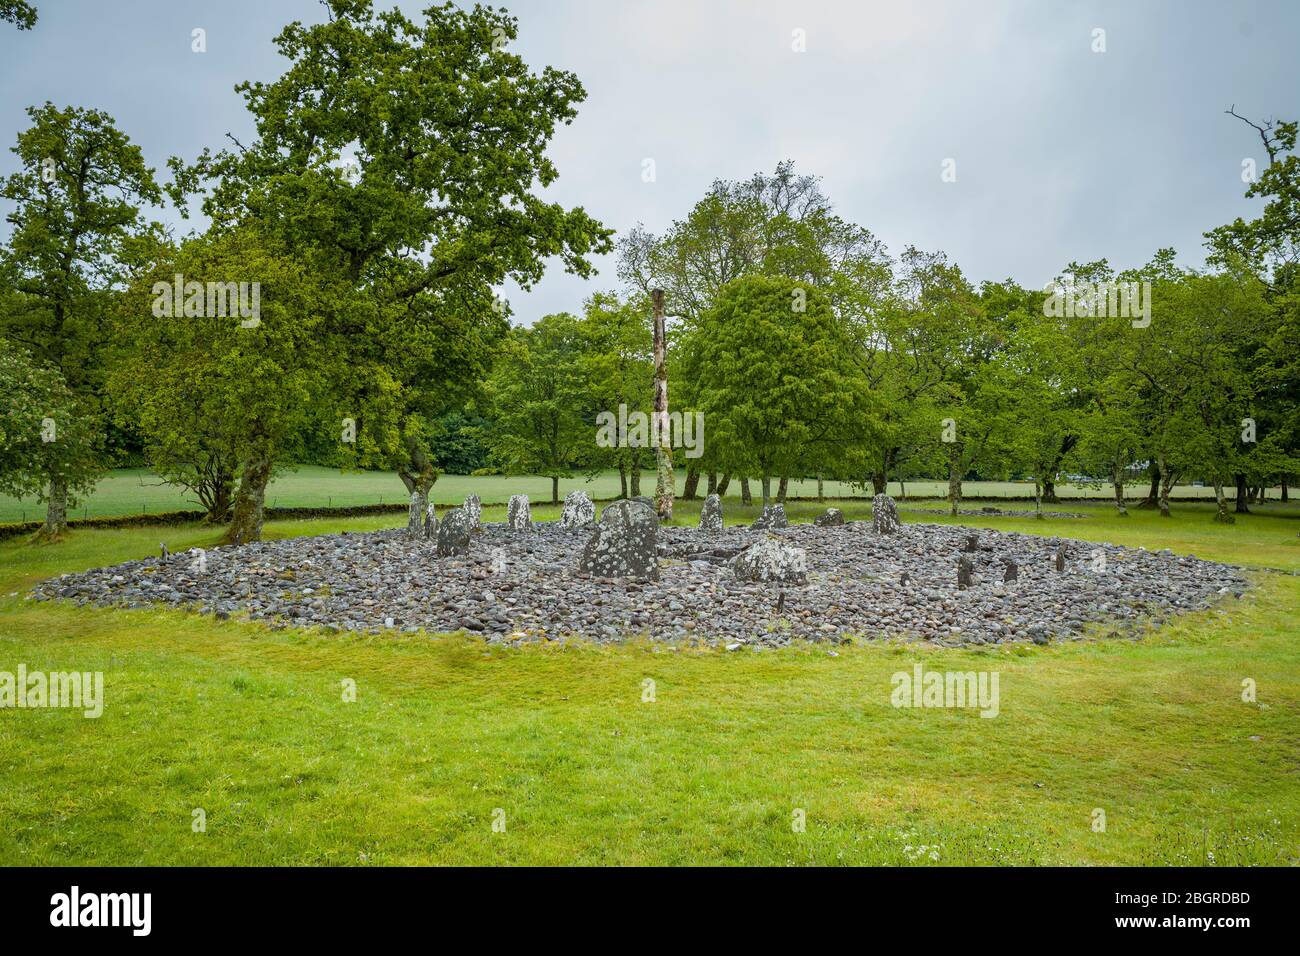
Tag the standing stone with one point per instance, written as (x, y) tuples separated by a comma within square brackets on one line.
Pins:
[(518, 515), (578, 510), (453, 534), (711, 515), (624, 544), (773, 516), (771, 560), (905, 579), (430, 522), (972, 543), (1010, 570), (833, 518), (965, 572), (1060, 558), (884, 515), (415, 517), (474, 508)]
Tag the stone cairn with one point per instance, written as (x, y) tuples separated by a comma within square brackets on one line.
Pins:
[(454, 534), (773, 516), (833, 518), (624, 544), (415, 517), (771, 560), (474, 508), (518, 515), (884, 515), (578, 510), (711, 515)]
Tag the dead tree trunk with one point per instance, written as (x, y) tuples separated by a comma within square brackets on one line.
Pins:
[(663, 450)]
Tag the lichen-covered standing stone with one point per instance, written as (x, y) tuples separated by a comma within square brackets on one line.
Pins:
[(474, 508), (453, 534), (771, 560), (430, 522), (518, 515), (884, 515), (773, 516), (415, 517), (833, 518), (965, 572), (711, 515), (578, 510), (624, 544)]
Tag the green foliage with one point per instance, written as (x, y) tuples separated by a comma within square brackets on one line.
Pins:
[(18, 12)]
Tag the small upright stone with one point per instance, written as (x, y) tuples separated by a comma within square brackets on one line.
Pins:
[(972, 543), (965, 572), (773, 516), (453, 534), (1010, 570), (711, 515), (430, 522), (578, 510), (1060, 558), (884, 515), (771, 560), (624, 544), (833, 518), (474, 508), (415, 517), (518, 515)]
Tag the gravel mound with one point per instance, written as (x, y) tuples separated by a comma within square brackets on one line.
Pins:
[(524, 586)]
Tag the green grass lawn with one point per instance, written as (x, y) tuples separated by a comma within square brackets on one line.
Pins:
[(133, 491), (447, 734)]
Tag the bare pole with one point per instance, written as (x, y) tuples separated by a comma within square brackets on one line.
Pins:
[(663, 447)]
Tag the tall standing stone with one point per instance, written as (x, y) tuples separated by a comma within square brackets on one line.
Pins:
[(711, 515), (474, 509), (884, 515), (518, 515), (624, 544), (578, 510), (415, 517), (430, 522)]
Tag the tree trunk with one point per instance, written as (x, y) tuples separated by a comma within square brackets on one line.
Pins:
[(745, 497), (691, 488), (1152, 500), (1038, 498), (1166, 483), (878, 483), (1049, 490), (1241, 495), (622, 479), (1285, 497), (1117, 479), (636, 474), (56, 512), (723, 484), (1222, 516), (664, 489), (954, 477), (713, 483), (782, 487), (767, 489), (555, 489), (250, 500), (821, 494)]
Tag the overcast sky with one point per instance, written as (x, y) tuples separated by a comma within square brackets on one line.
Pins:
[(1061, 153)]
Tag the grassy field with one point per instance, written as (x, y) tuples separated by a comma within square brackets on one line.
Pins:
[(133, 491), (447, 735)]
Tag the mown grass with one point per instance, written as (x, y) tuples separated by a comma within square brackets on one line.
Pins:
[(134, 491), (249, 725)]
